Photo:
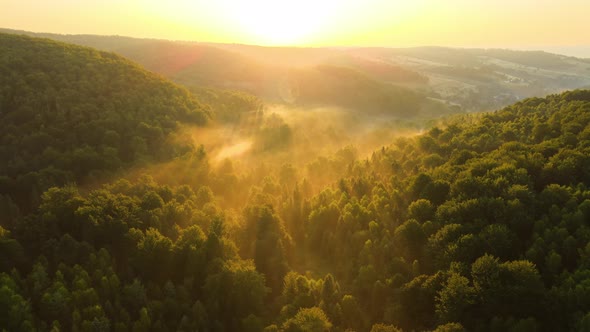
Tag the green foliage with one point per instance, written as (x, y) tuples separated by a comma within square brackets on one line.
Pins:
[(454, 299), (308, 319), (15, 311), (273, 134), (351, 88), (230, 107), (449, 327), (384, 328), (75, 114), (480, 225)]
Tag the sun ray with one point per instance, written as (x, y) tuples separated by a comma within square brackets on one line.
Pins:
[(282, 22)]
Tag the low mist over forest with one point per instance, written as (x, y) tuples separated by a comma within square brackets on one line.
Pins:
[(155, 185)]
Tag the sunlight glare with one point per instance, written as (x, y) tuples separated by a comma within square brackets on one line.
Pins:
[(282, 22)]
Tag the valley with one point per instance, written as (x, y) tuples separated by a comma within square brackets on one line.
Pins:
[(154, 185)]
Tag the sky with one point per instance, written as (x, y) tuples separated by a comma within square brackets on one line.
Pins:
[(523, 24)]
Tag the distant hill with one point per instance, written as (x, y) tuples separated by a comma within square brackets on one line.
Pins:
[(485, 79), (191, 64), (262, 71), (304, 76), (472, 79), (476, 79), (74, 114), (352, 89)]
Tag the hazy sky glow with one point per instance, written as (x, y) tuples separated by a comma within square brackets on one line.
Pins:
[(465, 23)]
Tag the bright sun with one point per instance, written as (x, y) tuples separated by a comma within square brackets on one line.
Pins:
[(279, 22)]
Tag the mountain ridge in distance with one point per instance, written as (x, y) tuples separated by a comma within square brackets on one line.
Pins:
[(474, 79)]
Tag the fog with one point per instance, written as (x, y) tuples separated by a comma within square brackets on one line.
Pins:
[(288, 146)]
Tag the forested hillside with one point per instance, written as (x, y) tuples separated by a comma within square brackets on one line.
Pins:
[(479, 224), (73, 114), (469, 79), (281, 74), (353, 90)]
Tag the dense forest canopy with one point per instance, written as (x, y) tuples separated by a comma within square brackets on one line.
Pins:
[(478, 224), (71, 114)]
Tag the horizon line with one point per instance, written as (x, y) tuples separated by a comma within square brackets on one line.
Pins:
[(550, 49)]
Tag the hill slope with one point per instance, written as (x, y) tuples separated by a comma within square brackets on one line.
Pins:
[(278, 74), (482, 224), (474, 79), (485, 79), (69, 112)]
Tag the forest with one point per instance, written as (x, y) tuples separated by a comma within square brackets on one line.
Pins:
[(473, 79), (121, 211)]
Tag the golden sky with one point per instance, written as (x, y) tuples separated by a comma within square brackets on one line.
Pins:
[(464, 23)]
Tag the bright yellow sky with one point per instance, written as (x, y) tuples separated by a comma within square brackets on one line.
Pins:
[(466, 23)]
